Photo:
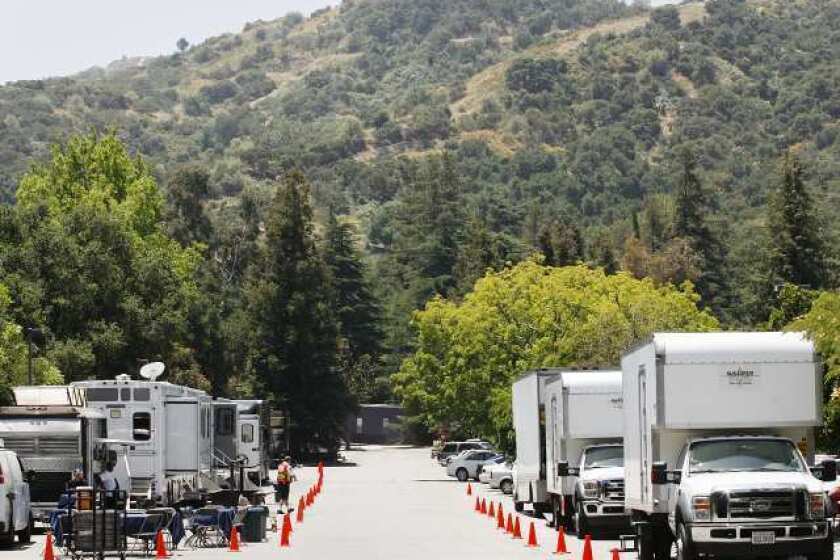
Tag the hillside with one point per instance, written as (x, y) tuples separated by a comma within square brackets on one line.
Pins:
[(550, 108)]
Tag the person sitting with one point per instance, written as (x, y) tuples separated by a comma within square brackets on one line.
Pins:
[(76, 479)]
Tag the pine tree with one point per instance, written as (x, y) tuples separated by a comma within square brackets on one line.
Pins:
[(293, 348), (356, 308), (690, 224), (799, 255), (561, 243)]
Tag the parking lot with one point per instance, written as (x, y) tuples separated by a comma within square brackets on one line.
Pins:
[(395, 503)]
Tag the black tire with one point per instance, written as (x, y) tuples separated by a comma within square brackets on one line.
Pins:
[(519, 507), (462, 475), (25, 535), (685, 548), (826, 552), (583, 527), (506, 486), (662, 546), (645, 548)]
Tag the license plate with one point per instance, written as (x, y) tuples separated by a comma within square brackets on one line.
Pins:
[(763, 537)]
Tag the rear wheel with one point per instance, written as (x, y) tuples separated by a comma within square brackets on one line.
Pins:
[(519, 506), (826, 553), (462, 474), (506, 487), (25, 535)]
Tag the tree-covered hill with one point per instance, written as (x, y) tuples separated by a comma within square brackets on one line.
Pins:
[(549, 112)]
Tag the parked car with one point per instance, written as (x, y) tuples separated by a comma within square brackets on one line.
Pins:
[(452, 448), (465, 466), (497, 460), (15, 509), (498, 476)]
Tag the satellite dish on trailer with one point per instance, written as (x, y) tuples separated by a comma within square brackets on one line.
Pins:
[(152, 371)]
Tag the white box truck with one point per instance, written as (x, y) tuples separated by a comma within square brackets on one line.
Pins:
[(584, 452), (529, 485), (732, 415)]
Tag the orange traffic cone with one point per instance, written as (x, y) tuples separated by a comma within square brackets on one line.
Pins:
[(532, 536), (509, 526), (477, 505), (301, 507), (500, 518), (160, 546), (469, 489), (615, 555), (501, 510), (285, 530), (309, 498), (287, 522), (561, 542), (587, 547), (517, 530), (483, 506), (492, 511), (49, 553), (234, 540)]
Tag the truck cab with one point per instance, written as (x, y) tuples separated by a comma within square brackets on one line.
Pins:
[(735, 495), (599, 489)]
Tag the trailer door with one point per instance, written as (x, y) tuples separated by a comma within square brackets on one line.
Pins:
[(643, 432)]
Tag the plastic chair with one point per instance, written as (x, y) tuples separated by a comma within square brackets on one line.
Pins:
[(147, 534)]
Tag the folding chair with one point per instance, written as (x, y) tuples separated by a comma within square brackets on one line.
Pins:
[(168, 515), (148, 533)]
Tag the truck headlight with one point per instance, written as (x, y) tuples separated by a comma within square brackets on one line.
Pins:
[(590, 489), (817, 505), (702, 507)]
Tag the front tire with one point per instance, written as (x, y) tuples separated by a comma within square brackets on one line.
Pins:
[(685, 548), (583, 527), (519, 506), (462, 474), (827, 551)]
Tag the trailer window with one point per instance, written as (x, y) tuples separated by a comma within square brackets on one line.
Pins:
[(224, 422), (125, 394), (102, 394), (247, 433), (142, 426), (141, 394)]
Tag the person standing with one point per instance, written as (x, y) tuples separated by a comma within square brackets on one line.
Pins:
[(283, 484)]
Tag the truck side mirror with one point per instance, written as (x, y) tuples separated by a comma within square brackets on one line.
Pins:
[(829, 471), (659, 473), (563, 468), (674, 477)]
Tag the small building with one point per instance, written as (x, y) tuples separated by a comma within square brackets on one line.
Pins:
[(375, 423)]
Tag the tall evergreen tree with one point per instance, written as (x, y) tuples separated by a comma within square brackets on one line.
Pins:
[(293, 346), (561, 243), (690, 224), (799, 254), (356, 308)]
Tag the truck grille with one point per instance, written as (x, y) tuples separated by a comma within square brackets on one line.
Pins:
[(761, 504), (614, 490)]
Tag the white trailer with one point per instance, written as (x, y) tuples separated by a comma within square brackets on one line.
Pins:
[(733, 415), (529, 470), (254, 433), (584, 425), (170, 429)]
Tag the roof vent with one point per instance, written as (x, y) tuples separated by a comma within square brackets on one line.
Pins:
[(123, 377)]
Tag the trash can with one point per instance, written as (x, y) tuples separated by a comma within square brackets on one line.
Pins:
[(253, 526)]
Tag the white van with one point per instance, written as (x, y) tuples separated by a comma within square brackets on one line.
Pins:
[(15, 513)]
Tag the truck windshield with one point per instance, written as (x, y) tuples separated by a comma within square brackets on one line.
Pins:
[(744, 455), (601, 457)]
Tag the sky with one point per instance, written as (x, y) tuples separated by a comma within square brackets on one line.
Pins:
[(44, 38)]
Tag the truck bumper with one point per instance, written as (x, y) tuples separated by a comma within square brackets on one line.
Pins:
[(733, 539), (606, 514)]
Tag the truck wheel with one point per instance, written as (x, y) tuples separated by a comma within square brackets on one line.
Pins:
[(462, 474), (583, 527), (519, 506), (25, 535), (645, 548), (685, 549), (506, 487), (826, 553), (663, 543)]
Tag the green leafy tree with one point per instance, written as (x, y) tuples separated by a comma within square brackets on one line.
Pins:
[(186, 192), (528, 316), (799, 254), (87, 260), (822, 323), (293, 325)]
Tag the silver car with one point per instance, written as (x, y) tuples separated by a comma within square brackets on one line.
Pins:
[(498, 476)]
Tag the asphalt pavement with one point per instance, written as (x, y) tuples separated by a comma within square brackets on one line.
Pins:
[(391, 503)]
